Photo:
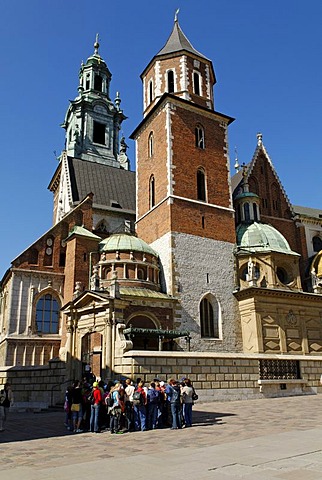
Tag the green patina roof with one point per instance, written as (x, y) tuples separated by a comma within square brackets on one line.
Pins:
[(143, 292), (246, 195), (261, 237), (123, 242), (83, 232)]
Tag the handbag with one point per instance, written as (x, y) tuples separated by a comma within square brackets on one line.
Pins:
[(75, 407), (194, 395)]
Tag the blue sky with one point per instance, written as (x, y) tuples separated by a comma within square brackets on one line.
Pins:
[(266, 56)]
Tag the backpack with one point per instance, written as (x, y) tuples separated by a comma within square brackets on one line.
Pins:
[(137, 398), (3, 397), (153, 396), (110, 400), (90, 398)]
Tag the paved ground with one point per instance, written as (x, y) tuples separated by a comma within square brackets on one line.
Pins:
[(256, 439)]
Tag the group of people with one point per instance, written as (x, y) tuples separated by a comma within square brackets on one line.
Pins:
[(127, 406)]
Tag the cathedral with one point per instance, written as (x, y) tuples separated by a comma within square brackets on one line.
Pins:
[(178, 268)]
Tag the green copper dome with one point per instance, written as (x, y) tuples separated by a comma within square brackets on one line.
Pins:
[(122, 242), (261, 237)]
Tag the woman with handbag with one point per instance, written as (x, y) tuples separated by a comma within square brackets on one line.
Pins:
[(77, 406), (187, 392)]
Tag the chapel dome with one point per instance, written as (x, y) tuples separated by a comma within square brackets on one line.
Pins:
[(123, 242), (261, 237), (317, 264)]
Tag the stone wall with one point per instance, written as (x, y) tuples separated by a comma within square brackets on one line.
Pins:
[(36, 387), (220, 376)]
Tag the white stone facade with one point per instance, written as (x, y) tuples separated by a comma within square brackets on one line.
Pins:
[(193, 267)]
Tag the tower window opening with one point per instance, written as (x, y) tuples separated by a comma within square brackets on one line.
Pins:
[(98, 83), (170, 78), (99, 133), (151, 145), (200, 137), (203, 222), (150, 91), (152, 191), (201, 185), (196, 83), (87, 84)]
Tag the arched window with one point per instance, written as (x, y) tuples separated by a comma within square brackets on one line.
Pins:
[(150, 91), (170, 81), (200, 137), (151, 145), (196, 83), (255, 209), (317, 243), (47, 314), (201, 185), (246, 212), (102, 227), (209, 319), (141, 275), (152, 191)]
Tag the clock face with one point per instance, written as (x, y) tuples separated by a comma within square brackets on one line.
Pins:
[(49, 242), (49, 251)]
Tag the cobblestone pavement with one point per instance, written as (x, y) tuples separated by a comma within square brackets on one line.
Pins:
[(256, 439)]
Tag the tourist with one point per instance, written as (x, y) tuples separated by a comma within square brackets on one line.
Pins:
[(95, 408), (115, 410), (187, 393), (6, 401), (139, 405), (77, 406), (129, 390), (174, 398), (153, 402)]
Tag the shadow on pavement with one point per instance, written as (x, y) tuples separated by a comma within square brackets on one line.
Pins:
[(24, 426)]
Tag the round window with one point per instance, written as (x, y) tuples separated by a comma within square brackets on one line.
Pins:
[(283, 276), (244, 273)]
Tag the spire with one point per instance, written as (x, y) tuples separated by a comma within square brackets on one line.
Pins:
[(177, 41), (96, 45)]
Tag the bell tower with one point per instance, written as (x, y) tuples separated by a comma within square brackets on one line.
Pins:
[(184, 205), (93, 121)]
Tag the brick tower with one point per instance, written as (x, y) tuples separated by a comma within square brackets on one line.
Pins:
[(184, 207)]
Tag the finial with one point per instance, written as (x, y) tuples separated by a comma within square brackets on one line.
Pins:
[(117, 101), (96, 45), (176, 14), (259, 139), (244, 167), (236, 166)]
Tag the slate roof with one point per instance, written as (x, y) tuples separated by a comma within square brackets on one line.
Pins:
[(307, 211), (177, 42), (108, 184)]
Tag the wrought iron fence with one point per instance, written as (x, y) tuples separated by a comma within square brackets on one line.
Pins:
[(279, 369)]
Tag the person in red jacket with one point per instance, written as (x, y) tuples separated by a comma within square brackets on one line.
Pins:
[(95, 408)]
